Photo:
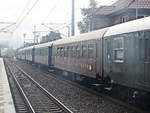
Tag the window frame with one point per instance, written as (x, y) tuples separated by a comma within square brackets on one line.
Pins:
[(85, 51), (89, 49), (117, 49)]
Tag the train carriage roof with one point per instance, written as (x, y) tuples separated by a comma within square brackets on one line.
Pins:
[(43, 45), (26, 48), (131, 26), (86, 36)]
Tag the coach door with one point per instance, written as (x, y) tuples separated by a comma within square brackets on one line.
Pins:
[(50, 55), (33, 54), (144, 50), (147, 57), (107, 56)]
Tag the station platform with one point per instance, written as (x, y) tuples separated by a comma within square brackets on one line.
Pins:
[(6, 101)]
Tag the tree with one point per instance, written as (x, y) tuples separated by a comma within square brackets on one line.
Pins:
[(87, 13)]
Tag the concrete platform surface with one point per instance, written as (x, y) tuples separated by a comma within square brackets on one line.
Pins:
[(6, 101)]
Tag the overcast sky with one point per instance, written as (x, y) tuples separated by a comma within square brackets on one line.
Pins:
[(45, 11)]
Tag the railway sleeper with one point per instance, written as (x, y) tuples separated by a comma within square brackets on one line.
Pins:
[(106, 85)]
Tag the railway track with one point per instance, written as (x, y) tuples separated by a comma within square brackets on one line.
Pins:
[(19, 100), (94, 90), (132, 108), (37, 98)]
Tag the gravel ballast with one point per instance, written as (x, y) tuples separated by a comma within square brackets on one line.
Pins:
[(78, 100)]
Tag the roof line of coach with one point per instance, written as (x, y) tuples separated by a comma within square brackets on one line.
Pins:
[(131, 26), (128, 27), (85, 36)]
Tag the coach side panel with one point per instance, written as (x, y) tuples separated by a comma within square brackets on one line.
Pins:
[(78, 57), (126, 59)]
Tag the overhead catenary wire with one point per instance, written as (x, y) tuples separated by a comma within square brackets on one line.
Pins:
[(11, 24), (22, 12), (6, 27), (53, 8), (26, 14)]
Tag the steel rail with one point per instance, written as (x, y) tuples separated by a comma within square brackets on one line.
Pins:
[(119, 102), (55, 100), (22, 92)]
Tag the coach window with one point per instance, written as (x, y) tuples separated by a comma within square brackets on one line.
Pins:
[(77, 51), (39, 51), (68, 51), (74, 51), (118, 49), (147, 45), (62, 51), (91, 50), (42, 51), (65, 51), (46, 51), (71, 51), (54, 51), (58, 51), (84, 51)]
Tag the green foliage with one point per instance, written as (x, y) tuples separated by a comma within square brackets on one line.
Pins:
[(51, 37), (93, 4), (86, 12)]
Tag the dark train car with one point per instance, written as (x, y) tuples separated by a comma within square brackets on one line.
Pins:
[(79, 54), (21, 54), (43, 54), (118, 56), (29, 53), (127, 54)]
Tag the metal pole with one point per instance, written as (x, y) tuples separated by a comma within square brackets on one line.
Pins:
[(68, 30), (91, 23), (73, 15), (24, 35), (34, 33)]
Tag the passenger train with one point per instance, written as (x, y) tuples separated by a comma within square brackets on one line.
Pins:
[(116, 56)]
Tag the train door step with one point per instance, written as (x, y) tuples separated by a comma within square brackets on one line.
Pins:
[(108, 88), (51, 70), (96, 84)]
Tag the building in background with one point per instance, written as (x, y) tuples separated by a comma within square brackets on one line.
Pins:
[(119, 12)]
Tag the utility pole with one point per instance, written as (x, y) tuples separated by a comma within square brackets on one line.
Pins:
[(68, 30), (24, 36), (34, 33), (73, 15)]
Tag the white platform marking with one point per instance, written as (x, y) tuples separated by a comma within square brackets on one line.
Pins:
[(6, 102)]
